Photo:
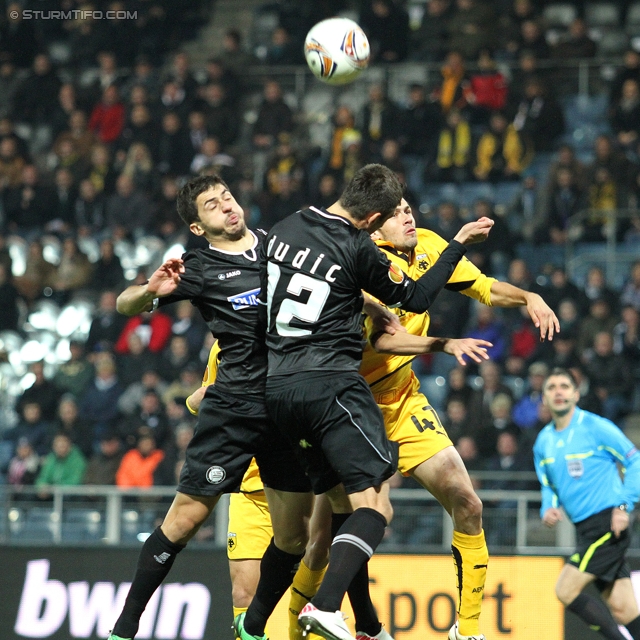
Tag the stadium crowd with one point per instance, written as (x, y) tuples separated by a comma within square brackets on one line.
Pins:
[(94, 147)]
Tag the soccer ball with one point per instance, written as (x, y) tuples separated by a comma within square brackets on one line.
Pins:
[(337, 50)]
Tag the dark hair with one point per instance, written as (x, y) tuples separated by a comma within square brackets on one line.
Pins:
[(186, 202), (561, 371), (374, 188)]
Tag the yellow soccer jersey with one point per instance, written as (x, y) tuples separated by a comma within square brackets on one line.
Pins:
[(251, 481), (384, 371)]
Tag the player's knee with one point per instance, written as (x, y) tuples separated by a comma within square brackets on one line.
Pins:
[(292, 542), (565, 595), (241, 595)]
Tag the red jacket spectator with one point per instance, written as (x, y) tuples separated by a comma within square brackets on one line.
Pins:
[(155, 332), (138, 465), (107, 118)]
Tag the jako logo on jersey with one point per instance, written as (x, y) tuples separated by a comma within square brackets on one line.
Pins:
[(395, 274), (245, 299), (229, 274), (215, 475)]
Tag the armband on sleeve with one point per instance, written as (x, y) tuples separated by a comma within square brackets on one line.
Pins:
[(191, 410)]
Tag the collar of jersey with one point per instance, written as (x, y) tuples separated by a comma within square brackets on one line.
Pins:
[(238, 253), (387, 246), (330, 216)]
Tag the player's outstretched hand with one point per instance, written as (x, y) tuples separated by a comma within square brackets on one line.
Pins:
[(619, 521), (165, 279), (474, 232), (474, 349), (552, 516), (383, 319), (543, 316)]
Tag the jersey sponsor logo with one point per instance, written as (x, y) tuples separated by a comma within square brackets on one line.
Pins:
[(245, 299), (215, 475), (575, 468), (231, 541), (395, 274), (229, 274)]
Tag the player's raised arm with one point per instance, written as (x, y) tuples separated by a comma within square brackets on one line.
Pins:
[(163, 282)]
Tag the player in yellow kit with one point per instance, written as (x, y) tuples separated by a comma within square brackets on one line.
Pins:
[(426, 453)]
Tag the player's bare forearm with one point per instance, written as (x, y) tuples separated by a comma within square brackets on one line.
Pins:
[(405, 344), (134, 300), (506, 295)]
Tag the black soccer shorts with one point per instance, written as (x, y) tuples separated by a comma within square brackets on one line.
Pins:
[(599, 552), (231, 431), (335, 428)]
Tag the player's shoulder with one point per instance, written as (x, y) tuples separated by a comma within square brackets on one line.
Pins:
[(545, 434), (429, 242), (591, 420)]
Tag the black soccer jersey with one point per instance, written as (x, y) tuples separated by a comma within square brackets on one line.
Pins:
[(224, 286), (314, 268)]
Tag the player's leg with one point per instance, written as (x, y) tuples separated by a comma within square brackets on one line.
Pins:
[(569, 590), (621, 601), (184, 518)]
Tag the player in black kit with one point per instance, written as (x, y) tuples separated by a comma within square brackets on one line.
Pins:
[(223, 282), (316, 265)]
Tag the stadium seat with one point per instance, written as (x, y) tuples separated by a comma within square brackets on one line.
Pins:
[(613, 43), (602, 14), (559, 15), (82, 525), (435, 388), (506, 192), (469, 192), (632, 24)]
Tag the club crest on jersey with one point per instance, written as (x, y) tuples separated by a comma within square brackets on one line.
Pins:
[(244, 300), (395, 274), (231, 541), (575, 468), (215, 475)]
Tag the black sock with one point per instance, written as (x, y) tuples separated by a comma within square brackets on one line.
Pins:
[(633, 628), (358, 591), (355, 543), (595, 613), (277, 569), (155, 561)]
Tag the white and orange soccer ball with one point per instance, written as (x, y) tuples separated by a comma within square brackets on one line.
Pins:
[(337, 50)]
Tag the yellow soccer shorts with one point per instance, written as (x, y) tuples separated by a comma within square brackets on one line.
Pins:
[(413, 423), (250, 529)]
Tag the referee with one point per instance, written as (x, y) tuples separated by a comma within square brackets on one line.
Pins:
[(577, 457)]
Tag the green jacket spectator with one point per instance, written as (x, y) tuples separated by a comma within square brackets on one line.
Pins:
[(65, 465)]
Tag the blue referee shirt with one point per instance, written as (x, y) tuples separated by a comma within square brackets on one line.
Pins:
[(577, 467)]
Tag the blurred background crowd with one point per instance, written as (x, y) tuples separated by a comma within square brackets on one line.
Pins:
[(527, 112)]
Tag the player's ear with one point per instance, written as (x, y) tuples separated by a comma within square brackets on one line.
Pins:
[(374, 221), (196, 229), (376, 235)]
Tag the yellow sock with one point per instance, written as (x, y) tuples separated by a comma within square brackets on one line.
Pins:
[(305, 586), (470, 559)]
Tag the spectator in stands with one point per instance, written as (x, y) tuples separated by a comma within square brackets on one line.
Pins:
[(197, 129), (234, 56), (168, 471), (99, 403), (599, 320), (447, 221), (11, 164), (63, 466), (328, 192), (137, 359), (173, 99), (107, 271), (283, 49), (107, 74), (539, 118), (107, 325), (89, 210), (429, 42), (523, 343), (166, 221), (9, 83), (566, 199), (471, 28), (352, 156), (154, 329), (103, 466), (190, 377), (67, 104), (532, 39), (141, 129), (489, 88), (175, 357), (456, 419), (488, 326), (589, 401), (274, 117), (626, 115), (455, 90), (131, 399), (343, 123), (232, 86), (72, 425), (32, 426), (129, 211), (467, 447), (615, 162), (139, 464), (596, 287), (387, 27), (180, 74), (149, 418), (501, 152), (107, 117), (576, 43), (559, 288), (139, 167), (566, 159), (609, 376), (211, 158), (221, 115), (561, 352), (38, 274), (174, 147), (87, 38), (43, 391), (24, 466), (65, 196), (9, 296), (492, 386), (381, 121), (605, 196), (631, 291), (28, 206), (101, 173), (493, 255), (499, 421), (72, 273), (569, 316), (458, 388), (629, 71), (419, 133), (18, 41), (144, 75), (74, 375), (525, 411), (626, 337)]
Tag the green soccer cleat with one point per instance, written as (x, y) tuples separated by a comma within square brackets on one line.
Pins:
[(238, 628), (113, 636)]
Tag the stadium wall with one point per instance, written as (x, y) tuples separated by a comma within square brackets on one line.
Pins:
[(62, 593)]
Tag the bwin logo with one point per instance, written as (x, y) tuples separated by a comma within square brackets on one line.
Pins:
[(244, 300), (175, 610)]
